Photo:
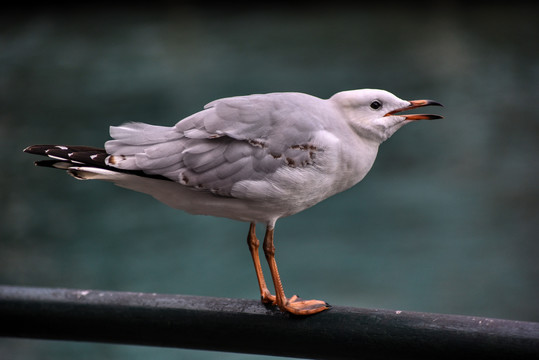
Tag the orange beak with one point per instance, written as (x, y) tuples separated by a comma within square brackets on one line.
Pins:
[(416, 104)]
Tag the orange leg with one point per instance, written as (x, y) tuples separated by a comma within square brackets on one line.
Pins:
[(294, 305), (253, 243)]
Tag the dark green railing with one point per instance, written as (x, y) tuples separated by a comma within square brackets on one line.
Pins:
[(246, 326)]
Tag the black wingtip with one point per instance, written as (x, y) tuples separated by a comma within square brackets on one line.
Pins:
[(29, 149), (64, 156), (38, 149)]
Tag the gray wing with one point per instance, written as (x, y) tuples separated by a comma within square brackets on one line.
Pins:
[(231, 140)]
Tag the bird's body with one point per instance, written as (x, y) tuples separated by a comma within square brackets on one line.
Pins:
[(234, 148), (252, 158)]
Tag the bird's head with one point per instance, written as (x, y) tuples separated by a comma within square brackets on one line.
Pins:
[(374, 114)]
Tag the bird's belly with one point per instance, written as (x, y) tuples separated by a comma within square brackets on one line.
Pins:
[(291, 190)]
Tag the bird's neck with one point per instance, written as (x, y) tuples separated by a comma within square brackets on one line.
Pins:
[(357, 160)]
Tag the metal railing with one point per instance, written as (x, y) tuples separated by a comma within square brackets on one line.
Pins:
[(247, 326)]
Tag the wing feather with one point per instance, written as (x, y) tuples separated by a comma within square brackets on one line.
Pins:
[(230, 141)]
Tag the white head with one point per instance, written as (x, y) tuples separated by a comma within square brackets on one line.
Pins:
[(373, 113)]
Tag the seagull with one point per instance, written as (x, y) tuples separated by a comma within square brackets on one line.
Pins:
[(254, 158)]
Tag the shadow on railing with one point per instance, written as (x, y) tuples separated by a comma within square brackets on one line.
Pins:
[(246, 326)]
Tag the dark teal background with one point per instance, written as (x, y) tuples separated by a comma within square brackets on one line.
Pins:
[(447, 221)]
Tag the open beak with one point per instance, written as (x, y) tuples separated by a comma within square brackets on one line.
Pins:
[(416, 104)]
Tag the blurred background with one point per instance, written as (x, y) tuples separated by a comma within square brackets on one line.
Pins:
[(447, 220)]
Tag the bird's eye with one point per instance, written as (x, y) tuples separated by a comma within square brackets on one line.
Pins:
[(376, 105)]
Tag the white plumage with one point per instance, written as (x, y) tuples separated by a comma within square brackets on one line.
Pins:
[(252, 158)]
